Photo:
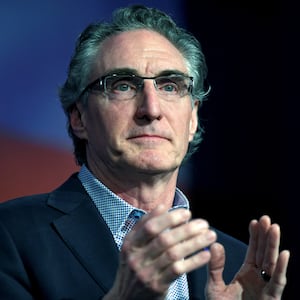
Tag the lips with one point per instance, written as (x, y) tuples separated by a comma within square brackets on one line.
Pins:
[(148, 136)]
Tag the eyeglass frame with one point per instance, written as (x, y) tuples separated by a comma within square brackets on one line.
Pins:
[(100, 82)]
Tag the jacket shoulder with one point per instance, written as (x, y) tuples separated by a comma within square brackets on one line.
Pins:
[(30, 202)]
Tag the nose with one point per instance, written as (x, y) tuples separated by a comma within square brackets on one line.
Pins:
[(148, 102)]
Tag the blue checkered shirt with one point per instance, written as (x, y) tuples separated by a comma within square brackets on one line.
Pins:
[(120, 216)]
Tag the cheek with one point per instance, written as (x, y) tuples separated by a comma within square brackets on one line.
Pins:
[(183, 129), (105, 124)]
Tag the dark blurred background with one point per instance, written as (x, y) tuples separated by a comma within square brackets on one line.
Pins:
[(248, 162)]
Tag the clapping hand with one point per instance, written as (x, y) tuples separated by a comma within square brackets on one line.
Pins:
[(263, 273)]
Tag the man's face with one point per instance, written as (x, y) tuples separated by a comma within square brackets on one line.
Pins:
[(146, 134)]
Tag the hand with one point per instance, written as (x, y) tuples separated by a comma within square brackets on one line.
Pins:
[(262, 255), (162, 246)]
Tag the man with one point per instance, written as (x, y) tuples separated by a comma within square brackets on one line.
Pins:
[(132, 96)]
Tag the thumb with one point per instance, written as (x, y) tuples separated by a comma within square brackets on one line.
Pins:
[(215, 268)]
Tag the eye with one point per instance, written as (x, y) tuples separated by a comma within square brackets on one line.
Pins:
[(170, 87), (121, 84), (122, 87), (167, 85)]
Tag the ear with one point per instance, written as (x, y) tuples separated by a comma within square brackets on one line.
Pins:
[(76, 122), (194, 120)]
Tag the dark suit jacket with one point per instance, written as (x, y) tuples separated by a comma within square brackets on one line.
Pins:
[(57, 246)]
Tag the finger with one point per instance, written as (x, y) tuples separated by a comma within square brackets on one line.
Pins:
[(278, 280), (155, 223), (184, 266), (186, 251), (253, 243), (159, 273), (159, 210), (272, 249), (131, 236), (264, 225), (182, 252), (258, 241), (182, 240), (216, 263)]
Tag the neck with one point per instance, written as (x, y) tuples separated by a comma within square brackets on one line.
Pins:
[(141, 190), (148, 197)]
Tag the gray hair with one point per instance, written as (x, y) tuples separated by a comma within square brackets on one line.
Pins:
[(126, 19)]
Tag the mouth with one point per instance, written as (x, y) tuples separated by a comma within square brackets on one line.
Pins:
[(148, 138)]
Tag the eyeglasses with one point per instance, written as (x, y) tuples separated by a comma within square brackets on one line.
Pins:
[(126, 86)]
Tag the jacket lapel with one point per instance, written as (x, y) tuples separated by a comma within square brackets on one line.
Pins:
[(89, 239), (197, 281), (85, 233)]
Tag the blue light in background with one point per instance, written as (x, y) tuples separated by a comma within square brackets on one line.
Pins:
[(37, 40)]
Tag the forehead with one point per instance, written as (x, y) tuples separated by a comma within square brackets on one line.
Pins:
[(145, 51)]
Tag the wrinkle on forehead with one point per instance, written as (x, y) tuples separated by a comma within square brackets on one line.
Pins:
[(146, 51)]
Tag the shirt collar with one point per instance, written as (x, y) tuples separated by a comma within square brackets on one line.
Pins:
[(114, 209)]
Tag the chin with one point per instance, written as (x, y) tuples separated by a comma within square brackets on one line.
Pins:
[(153, 161), (157, 167)]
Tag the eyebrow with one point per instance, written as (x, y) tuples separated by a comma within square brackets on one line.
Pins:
[(130, 71)]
